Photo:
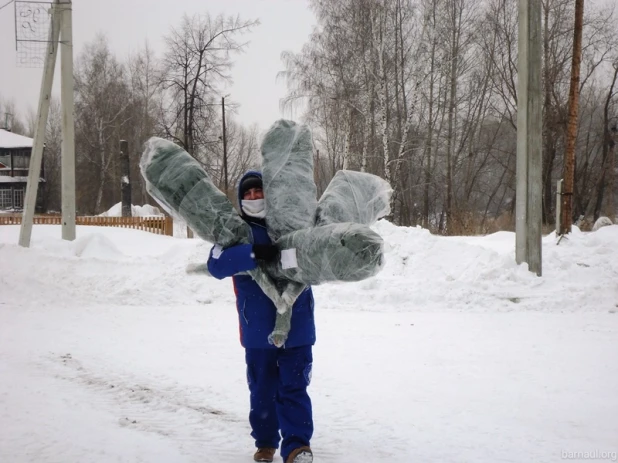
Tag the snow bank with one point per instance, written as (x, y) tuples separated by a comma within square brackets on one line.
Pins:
[(422, 272), (136, 211), (602, 222)]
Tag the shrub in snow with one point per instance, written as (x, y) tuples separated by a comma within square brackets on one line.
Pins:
[(602, 222)]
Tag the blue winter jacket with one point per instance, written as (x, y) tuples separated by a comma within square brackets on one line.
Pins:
[(256, 312)]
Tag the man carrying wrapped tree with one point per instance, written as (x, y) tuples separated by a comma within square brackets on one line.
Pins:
[(316, 242), (278, 378)]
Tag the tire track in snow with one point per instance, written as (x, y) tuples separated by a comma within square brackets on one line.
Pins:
[(201, 432), (163, 409)]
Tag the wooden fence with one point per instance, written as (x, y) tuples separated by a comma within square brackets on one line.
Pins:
[(157, 225)]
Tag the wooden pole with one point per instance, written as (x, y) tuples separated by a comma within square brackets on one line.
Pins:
[(125, 182), (571, 136), (558, 206)]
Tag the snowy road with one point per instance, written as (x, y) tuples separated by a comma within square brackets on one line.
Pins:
[(160, 377)]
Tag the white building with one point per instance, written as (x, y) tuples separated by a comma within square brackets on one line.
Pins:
[(15, 151)]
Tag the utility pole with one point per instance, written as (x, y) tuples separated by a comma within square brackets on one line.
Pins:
[(224, 144), (529, 138), (60, 36), (68, 122), (125, 183), (36, 158), (571, 136)]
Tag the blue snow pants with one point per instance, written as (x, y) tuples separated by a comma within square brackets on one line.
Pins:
[(278, 380)]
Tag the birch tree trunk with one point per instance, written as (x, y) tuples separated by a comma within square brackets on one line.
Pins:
[(607, 157), (450, 142), (378, 40)]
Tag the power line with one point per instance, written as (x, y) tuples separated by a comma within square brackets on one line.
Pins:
[(7, 4)]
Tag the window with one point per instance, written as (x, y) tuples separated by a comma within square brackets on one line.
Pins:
[(21, 160), (18, 198), (6, 198)]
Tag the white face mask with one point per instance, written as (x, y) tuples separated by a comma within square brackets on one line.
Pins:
[(253, 208)]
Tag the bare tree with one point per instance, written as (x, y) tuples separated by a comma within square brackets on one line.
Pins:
[(102, 101), (607, 153), (144, 75), (196, 62), (243, 153), (423, 92), (52, 164), (10, 117)]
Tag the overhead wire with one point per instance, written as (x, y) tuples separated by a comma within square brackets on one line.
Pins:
[(7, 4)]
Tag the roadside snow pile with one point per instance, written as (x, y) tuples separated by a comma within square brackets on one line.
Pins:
[(602, 222), (97, 246), (422, 272), (136, 211), (426, 272)]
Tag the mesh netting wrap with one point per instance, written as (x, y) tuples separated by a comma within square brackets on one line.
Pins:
[(181, 186), (283, 320), (290, 195), (355, 197), (287, 170), (340, 248), (335, 252), (340, 253)]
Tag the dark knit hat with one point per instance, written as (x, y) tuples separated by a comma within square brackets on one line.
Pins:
[(249, 182)]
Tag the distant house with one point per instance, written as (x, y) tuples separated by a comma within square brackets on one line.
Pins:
[(15, 152)]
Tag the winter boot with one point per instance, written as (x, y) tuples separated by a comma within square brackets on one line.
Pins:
[(265, 454), (300, 455)]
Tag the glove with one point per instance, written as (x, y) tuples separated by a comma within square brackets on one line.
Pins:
[(266, 252)]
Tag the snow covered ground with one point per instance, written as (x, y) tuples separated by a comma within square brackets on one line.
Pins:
[(109, 352), (136, 211)]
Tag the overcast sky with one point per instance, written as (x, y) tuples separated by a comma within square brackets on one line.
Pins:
[(285, 25)]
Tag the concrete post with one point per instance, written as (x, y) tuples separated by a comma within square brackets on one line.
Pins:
[(68, 123), (529, 138), (36, 158)]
